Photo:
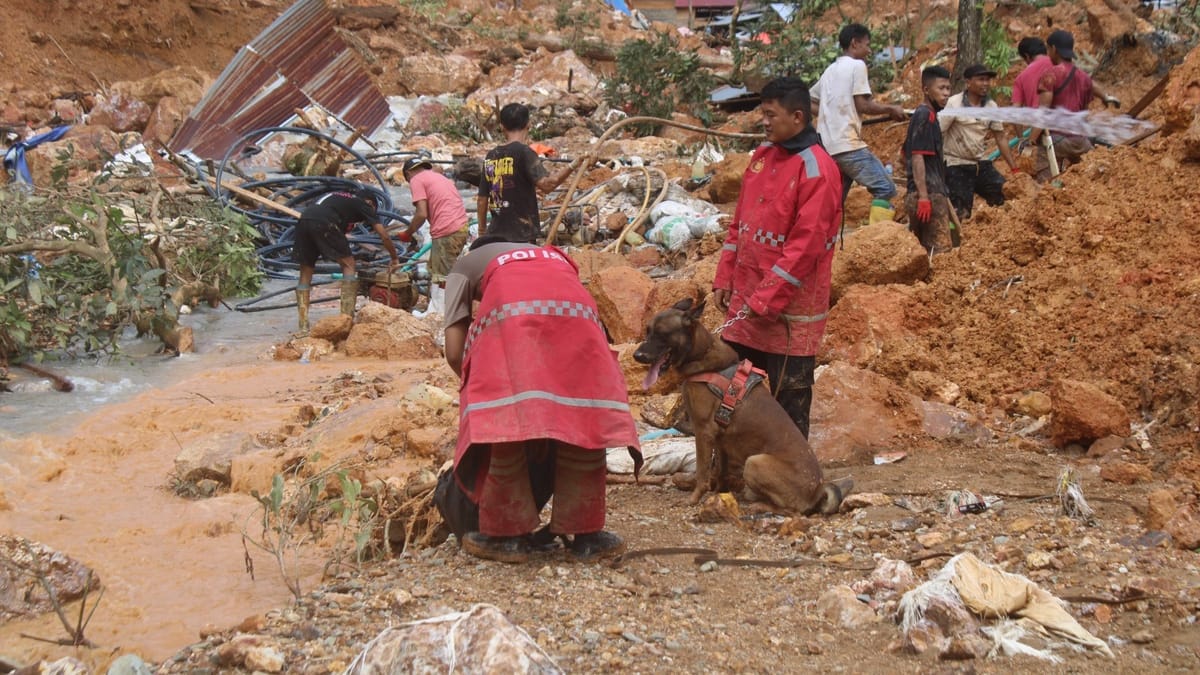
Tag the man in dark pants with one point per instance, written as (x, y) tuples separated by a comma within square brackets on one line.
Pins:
[(321, 233), (773, 278), (969, 171)]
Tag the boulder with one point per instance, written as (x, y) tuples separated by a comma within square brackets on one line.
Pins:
[(857, 207), (1105, 445), (431, 443), (185, 83), (168, 114), (1181, 100), (479, 640), (841, 607), (1034, 404), (434, 74), (621, 294), (1161, 505), (26, 564), (1082, 412), (857, 413), (642, 257), (868, 321), (661, 411), (86, 148), (1191, 140), (66, 110), (591, 261), (932, 387), (726, 182), (334, 328), (392, 334), (560, 79), (667, 292), (1184, 527), (211, 457), (120, 112), (878, 254), (1109, 21), (1125, 473)]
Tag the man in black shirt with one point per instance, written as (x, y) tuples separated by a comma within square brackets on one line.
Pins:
[(321, 232), (930, 215), (512, 178)]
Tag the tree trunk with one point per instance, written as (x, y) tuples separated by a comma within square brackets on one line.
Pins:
[(970, 47)]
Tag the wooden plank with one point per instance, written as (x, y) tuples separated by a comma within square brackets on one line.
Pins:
[(1146, 100), (242, 192)]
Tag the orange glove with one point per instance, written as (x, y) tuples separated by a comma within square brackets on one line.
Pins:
[(1016, 170), (924, 210), (404, 236)]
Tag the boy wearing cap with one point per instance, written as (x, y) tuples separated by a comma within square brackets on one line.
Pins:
[(969, 172), (930, 215), (513, 176), (1064, 86), (437, 200)]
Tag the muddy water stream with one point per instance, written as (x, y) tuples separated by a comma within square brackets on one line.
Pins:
[(87, 474)]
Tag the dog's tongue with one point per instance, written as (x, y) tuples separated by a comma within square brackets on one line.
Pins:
[(652, 376)]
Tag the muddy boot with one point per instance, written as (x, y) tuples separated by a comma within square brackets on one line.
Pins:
[(881, 210), (500, 549), (596, 545), (302, 299), (349, 295)]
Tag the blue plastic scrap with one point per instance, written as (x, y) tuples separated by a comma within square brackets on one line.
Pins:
[(14, 157)]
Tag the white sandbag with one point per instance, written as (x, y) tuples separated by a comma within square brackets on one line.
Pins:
[(663, 456)]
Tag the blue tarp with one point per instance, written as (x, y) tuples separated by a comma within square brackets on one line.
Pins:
[(14, 158), (618, 5)]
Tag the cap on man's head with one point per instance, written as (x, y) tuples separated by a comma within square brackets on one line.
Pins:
[(413, 163), (1064, 42), (978, 70)]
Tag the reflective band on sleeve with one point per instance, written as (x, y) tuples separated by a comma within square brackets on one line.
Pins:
[(779, 271), (729, 247), (811, 168), (800, 318), (553, 398)]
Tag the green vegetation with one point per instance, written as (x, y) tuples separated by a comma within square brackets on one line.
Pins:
[(655, 78), (999, 51)]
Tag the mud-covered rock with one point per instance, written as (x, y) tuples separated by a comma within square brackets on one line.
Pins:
[(431, 442), (857, 208), (620, 294), (185, 83), (1125, 473), (932, 387), (393, 334), (841, 607), (211, 457), (120, 112), (1082, 412), (591, 261), (1161, 506), (869, 322), (726, 182), (168, 114), (334, 328), (661, 410), (878, 254), (559, 79), (26, 565), (82, 152), (857, 413), (434, 74), (667, 292), (1184, 527)]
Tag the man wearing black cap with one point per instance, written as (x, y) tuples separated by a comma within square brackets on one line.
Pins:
[(1064, 86), (969, 172), (437, 200)]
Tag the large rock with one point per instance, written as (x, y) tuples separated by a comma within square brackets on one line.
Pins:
[(1082, 412), (1184, 527), (1161, 505), (392, 334), (591, 261), (559, 79), (26, 565), (857, 413), (165, 120), (726, 182), (1111, 20), (857, 207), (81, 152), (667, 292), (186, 83), (334, 328), (621, 294), (883, 253), (479, 640), (211, 457), (867, 322), (120, 112), (1181, 100), (433, 74), (841, 607)]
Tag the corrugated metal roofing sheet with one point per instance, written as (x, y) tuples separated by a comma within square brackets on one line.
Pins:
[(297, 61)]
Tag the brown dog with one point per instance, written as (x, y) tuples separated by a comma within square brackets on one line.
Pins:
[(760, 442)]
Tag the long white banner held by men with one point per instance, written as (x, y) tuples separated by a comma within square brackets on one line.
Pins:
[(1112, 128)]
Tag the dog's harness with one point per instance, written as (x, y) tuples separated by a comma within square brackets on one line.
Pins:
[(731, 385)]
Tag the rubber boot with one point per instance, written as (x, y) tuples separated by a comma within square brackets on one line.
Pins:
[(881, 210), (302, 301), (349, 295)]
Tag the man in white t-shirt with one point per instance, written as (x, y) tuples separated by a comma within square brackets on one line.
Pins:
[(839, 99)]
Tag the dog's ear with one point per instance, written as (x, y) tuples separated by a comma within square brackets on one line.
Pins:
[(696, 311), (683, 305)]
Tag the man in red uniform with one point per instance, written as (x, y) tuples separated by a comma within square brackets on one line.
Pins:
[(539, 384), (777, 260)]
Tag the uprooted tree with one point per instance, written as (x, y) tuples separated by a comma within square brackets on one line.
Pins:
[(79, 266)]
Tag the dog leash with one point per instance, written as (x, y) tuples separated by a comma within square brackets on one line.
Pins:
[(705, 555), (741, 314)]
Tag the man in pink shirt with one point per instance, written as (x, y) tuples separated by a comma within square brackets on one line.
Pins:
[(437, 200), (1024, 90)]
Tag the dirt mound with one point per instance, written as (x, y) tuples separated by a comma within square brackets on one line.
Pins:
[(1095, 281)]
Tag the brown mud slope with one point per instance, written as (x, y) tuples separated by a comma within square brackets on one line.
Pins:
[(1095, 281)]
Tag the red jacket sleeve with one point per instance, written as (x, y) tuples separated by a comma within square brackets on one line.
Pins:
[(807, 242)]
